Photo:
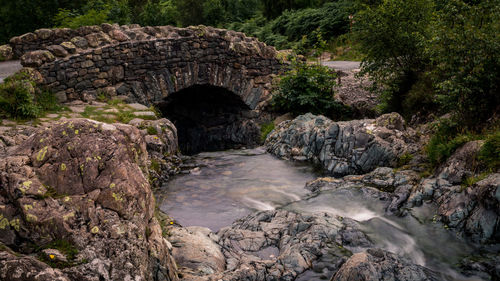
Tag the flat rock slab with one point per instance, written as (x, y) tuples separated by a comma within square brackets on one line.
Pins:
[(138, 106), (145, 113), (7, 68), (77, 109)]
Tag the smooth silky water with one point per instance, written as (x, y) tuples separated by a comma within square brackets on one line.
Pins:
[(231, 184)]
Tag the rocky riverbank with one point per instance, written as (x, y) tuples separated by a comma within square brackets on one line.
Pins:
[(76, 204)]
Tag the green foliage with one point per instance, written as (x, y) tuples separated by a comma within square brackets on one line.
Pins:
[(155, 166), (152, 130), (405, 159), (65, 247), (21, 99), (391, 36), (265, 129), (300, 28), (465, 50), (427, 55), (490, 151), (308, 88), (93, 13), (470, 181), (448, 138), (274, 8), (158, 13)]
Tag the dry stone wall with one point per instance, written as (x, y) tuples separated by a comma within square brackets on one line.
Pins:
[(148, 63)]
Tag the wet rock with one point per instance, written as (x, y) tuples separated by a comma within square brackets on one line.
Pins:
[(462, 164), (196, 252), (486, 266), (385, 184), (301, 243), (380, 265), (85, 183), (342, 148)]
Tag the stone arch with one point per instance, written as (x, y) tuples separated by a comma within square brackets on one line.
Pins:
[(147, 64)]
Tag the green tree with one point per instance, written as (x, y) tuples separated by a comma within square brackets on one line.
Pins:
[(308, 88), (392, 36), (465, 50), (158, 13), (190, 11)]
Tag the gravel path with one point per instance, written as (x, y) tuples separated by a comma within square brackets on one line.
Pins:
[(342, 65), (8, 68)]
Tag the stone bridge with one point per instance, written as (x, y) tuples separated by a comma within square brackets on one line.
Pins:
[(212, 83)]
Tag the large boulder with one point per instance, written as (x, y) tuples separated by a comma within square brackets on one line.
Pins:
[(196, 252), (282, 245), (80, 188), (380, 265), (342, 148)]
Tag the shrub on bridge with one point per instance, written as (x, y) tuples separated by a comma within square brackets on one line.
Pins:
[(308, 88)]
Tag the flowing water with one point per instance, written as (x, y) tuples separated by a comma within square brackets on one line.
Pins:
[(229, 185)]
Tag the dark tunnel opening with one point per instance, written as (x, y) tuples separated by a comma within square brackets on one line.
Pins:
[(210, 118)]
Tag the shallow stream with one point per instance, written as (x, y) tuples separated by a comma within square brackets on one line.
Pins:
[(229, 185)]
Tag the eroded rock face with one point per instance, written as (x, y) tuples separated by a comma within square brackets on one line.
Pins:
[(84, 183), (196, 252), (280, 245), (471, 210), (385, 184), (343, 148), (380, 265)]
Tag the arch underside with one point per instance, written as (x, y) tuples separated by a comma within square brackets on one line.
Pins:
[(210, 118)]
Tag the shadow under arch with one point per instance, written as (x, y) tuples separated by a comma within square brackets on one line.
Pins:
[(210, 118)]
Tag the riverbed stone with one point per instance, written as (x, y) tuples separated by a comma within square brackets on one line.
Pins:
[(380, 265), (301, 242), (196, 252), (341, 148)]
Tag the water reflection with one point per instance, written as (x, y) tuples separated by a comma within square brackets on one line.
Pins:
[(232, 184)]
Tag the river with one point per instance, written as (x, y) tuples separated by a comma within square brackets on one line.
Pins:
[(229, 185)]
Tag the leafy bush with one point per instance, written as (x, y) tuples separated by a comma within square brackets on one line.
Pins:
[(265, 129), (490, 152), (17, 97), (94, 12), (465, 50), (288, 30), (308, 88), (392, 36), (448, 138), (20, 98), (158, 13)]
